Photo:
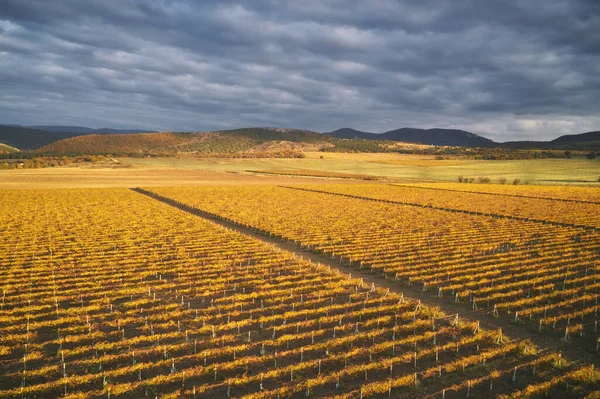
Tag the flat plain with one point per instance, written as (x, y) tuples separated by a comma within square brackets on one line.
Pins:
[(132, 172)]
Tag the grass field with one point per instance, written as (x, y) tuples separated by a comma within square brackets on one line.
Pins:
[(403, 167), (134, 172)]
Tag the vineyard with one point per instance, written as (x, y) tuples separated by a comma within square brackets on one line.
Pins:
[(572, 193), (518, 206), (543, 275), (107, 293)]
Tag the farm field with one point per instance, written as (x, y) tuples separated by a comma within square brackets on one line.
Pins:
[(152, 301), (398, 168), (526, 272), (109, 293), (410, 168), (80, 177), (577, 212), (573, 193)]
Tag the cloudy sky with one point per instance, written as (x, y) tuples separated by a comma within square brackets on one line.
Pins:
[(506, 69)]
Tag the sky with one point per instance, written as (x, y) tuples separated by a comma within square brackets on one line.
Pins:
[(505, 69)]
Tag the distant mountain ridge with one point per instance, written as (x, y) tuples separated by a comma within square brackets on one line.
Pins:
[(349, 133), (589, 137), (33, 138), (28, 139), (436, 136), (462, 138)]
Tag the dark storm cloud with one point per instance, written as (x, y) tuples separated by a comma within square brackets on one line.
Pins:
[(508, 70)]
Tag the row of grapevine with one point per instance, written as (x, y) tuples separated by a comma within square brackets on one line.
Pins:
[(565, 193), (577, 213)]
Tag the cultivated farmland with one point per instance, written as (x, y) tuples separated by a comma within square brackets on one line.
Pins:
[(109, 293), (526, 271)]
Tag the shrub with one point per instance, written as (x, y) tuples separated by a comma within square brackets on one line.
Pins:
[(502, 180), (517, 181)]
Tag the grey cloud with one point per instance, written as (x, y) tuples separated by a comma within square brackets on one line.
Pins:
[(523, 69)]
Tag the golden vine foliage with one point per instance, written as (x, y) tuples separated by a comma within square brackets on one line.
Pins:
[(546, 205), (549, 192), (107, 293), (513, 268)]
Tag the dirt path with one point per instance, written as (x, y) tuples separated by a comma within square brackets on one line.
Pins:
[(575, 350)]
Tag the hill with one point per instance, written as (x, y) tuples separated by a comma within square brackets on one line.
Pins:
[(249, 140), (114, 144), (32, 137), (589, 138), (583, 141), (6, 149), (437, 137), (348, 133), (461, 138), (29, 139)]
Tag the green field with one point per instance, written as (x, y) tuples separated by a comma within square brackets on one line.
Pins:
[(401, 167)]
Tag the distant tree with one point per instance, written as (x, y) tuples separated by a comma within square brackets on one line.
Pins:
[(591, 155), (461, 179), (568, 154), (517, 181), (502, 180)]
